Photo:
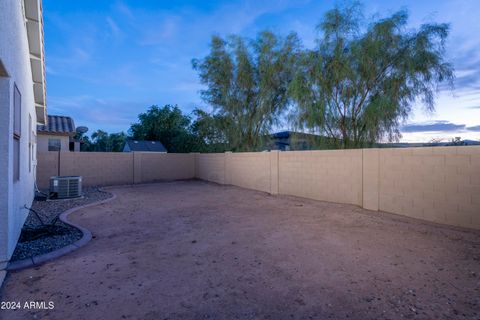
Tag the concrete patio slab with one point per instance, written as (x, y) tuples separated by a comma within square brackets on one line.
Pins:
[(195, 250)]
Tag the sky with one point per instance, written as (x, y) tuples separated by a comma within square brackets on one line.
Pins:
[(108, 61)]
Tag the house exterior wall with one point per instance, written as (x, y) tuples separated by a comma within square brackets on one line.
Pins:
[(42, 142), (15, 58)]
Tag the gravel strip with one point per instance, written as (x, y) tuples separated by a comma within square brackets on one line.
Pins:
[(48, 211)]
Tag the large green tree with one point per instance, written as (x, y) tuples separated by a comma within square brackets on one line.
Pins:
[(361, 81), (169, 126), (247, 82), (102, 141), (211, 130)]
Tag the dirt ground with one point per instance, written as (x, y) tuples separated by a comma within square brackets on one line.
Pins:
[(195, 250)]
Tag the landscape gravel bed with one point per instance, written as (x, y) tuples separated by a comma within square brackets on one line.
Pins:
[(48, 211)]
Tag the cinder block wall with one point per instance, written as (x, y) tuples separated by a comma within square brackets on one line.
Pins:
[(98, 168), (440, 184), (110, 168), (165, 166), (334, 175), (210, 167), (435, 184), (249, 170)]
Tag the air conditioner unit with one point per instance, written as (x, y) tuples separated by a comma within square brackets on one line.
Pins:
[(65, 187)]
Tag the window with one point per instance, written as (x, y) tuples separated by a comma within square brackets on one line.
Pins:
[(16, 159), (17, 131), (17, 112), (54, 145)]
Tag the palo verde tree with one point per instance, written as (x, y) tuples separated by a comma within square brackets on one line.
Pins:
[(359, 84), (247, 83)]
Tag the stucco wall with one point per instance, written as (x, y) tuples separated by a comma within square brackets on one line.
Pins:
[(42, 142), (15, 58)]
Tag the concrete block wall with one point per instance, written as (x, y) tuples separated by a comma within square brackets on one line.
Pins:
[(434, 184), (47, 166), (370, 179), (165, 166), (210, 167), (440, 184), (97, 168), (330, 175), (115, 168), (249, 170)]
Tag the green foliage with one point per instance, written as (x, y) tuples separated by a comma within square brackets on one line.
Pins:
[(247, 84), (167, 125), (102, 141), (359, 84), (355, 88), (211, 130)]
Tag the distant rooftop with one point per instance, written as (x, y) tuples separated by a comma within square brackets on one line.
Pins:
[(144, 145), (287, 134), (57, 125)]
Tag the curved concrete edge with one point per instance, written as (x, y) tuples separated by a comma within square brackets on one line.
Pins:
[(86, 237)]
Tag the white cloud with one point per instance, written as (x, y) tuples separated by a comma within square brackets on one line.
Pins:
[(114, 28)]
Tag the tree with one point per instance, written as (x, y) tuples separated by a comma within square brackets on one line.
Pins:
[(85, 143), (167, 125), (211, 130), (102, 141), (247, 82), (359, 84)]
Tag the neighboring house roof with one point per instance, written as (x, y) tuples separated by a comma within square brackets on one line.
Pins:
[(57, 125), (281, 135), (291, 140), (290, 134), (144, 145)]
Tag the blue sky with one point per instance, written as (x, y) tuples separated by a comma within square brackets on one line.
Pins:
[(108, 61)]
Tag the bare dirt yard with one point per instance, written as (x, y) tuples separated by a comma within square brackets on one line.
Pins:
[(195, 250)]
